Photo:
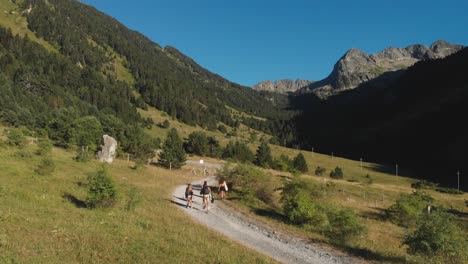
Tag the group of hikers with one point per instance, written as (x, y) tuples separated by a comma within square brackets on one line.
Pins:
[(206, 193)]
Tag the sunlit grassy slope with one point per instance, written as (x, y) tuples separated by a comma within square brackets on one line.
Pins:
[(11, 17), (42, 219)]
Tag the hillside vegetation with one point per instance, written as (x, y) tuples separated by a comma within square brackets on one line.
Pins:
[(44, 218)]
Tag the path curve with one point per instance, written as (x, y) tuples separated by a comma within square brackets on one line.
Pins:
[(282, 248)]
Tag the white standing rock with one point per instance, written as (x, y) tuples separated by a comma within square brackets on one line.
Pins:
[(108, 150)]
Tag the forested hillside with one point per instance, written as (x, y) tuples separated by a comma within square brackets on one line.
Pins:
[(165, 78), (415, 121)]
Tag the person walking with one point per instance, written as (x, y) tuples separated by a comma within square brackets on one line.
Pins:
[(206, 192), (222, 188), (189, 195)]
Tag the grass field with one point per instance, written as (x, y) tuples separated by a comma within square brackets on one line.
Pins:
[(42, 218), (382, 243)]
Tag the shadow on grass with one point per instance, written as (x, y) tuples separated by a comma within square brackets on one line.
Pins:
[(380, 215), (368, 254), (270, 213), (71, 198)]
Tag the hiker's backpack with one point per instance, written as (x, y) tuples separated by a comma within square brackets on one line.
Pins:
[(206, 190)]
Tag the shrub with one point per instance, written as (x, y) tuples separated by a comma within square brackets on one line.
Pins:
[(165, 124), (16, 138), (102, 192), (449, 190), (344, 225), (408, 208), (44, 147), (337, 173), (22, 154), (45, 167), (83, 155), (263, 156), (319, 171), (423, 185), (283, 163), (300, 163), (222, 129), (133, 199), (438, 238), (368, 179)]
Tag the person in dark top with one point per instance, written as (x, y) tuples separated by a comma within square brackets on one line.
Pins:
[(189, 195), (206, 192)]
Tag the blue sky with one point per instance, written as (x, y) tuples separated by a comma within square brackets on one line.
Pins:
[(250, 41)]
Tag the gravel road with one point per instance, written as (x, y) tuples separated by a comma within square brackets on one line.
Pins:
[(283, 248)]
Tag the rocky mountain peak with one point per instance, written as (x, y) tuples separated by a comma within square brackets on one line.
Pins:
[(356, 66), (281, 86)]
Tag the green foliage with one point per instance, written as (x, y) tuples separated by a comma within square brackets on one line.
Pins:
[(222, 129), (44, 147), (173, 153), (83, 155), (319, 171), (133, 199), (283, 163), (305, 204), (408, 208), (449, 190), (300, 163), (197, 143), (22, 154), (87, 132), (423, 185), (102, 192), (337, 173), (166, 124), (368, 179), (251, 183), (45, 167), (343, 225), (438, 239), (214, 149), (238, 151), (16, 138), (263, 157)]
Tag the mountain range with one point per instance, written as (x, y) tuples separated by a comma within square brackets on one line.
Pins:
[(356, 67)]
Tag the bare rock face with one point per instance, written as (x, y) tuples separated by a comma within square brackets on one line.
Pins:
[(281, 86), (357, 67), (108, 150)]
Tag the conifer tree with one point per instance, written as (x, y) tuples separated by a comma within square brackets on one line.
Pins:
[(300, 163), (173, 153), (263, 157)]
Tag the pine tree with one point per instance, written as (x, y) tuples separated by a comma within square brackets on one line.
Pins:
[(300, 163), (263, 157), (173, 153)]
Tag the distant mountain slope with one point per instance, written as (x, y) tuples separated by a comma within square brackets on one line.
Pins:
[(281, 86), (414, 120), (357, 67)]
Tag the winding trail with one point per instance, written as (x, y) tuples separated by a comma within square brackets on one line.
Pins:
[(280, 247)]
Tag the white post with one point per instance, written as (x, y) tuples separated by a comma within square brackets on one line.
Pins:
[(458, 180), (170, 165), (312, 152), (396, 169), (332, 155), (128, 157), (360, 163)]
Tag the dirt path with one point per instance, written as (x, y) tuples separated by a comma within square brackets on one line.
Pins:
[(283, 248)]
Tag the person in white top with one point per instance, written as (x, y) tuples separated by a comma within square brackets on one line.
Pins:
[(222, 188)]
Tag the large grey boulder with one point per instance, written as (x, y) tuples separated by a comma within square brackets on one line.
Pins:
[(281, 86), (108, 149)]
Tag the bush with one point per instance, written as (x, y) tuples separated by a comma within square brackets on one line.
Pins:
[(165, 124), (319, 171), (283, 163), (222, 129), (22, 154), (344, 225), (337, 173), (449, 190), (408, 208), (438, 238), (83, 155), (251, 183), (300, 163), (368, 179), (423, 185), (133, 199), (44, 147), (102, 192), (45, 167), (16, 138)]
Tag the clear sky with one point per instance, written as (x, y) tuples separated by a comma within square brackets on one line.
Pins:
[(247, 41)]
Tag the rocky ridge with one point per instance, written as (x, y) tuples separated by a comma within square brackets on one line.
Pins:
[(281, 86), (357, 67)]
